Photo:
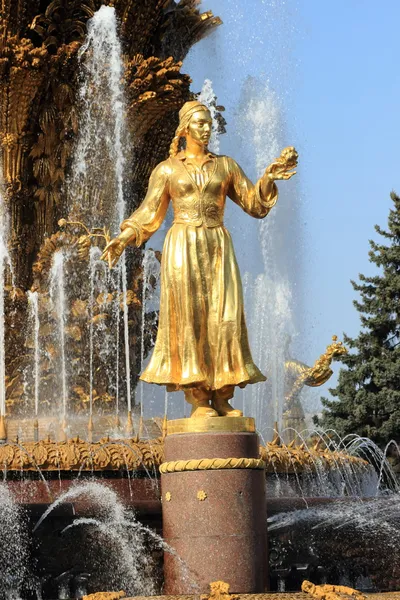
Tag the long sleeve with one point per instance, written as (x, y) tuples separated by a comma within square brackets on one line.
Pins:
[(248, 196), (148, 217)]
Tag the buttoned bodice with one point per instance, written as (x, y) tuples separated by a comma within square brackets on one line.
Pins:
[(198, 194)]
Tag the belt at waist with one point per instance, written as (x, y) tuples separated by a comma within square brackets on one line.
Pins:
[(197, 223)]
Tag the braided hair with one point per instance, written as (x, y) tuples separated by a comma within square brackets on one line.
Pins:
[(174, 147)]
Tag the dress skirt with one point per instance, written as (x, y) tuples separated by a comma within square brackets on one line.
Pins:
[(202, 336)]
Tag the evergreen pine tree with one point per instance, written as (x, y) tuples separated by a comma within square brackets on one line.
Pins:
[(368, 391)]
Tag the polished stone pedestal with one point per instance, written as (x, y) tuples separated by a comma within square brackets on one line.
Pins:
[(214, 518)]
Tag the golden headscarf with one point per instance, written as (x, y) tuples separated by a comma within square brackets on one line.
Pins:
[(188, 110), (185, 114)]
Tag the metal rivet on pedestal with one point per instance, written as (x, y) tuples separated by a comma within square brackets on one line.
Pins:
[(168, 496), (201, 495)]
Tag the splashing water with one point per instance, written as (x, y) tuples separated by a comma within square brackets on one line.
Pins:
[(99, 156), (58, 298), (94, 265), (4, 263), (367, 449), (125, 540), (99, 160), (208, 97), (376, 517), (14, 553), (346, 539), (150, 304), (126, 335), (339, 476), (264, 122), (125, 543), (33, 301), (269, 294)]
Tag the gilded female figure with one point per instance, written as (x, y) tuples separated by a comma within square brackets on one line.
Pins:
[(202, 345)]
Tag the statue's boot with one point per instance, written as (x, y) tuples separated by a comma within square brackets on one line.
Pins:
[(199, 398), (221, 405)]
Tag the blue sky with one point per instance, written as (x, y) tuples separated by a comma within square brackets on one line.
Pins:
[(334, 68)]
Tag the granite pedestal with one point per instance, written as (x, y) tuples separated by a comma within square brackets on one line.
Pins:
[(214, 518)]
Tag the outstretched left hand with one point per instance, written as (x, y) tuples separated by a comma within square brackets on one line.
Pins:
[(282, 167)]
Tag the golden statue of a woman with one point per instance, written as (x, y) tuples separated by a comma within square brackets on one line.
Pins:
[(202, 345)]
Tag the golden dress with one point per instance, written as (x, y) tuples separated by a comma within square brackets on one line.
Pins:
[(202, 336)]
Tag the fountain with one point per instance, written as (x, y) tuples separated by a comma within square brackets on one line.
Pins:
[(93, 92)]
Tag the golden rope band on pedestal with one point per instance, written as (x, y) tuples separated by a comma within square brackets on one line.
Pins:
[(211, 464)]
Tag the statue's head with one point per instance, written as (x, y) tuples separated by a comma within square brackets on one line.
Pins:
[(195, 122)]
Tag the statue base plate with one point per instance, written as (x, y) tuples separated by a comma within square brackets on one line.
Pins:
[(211, 425)]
